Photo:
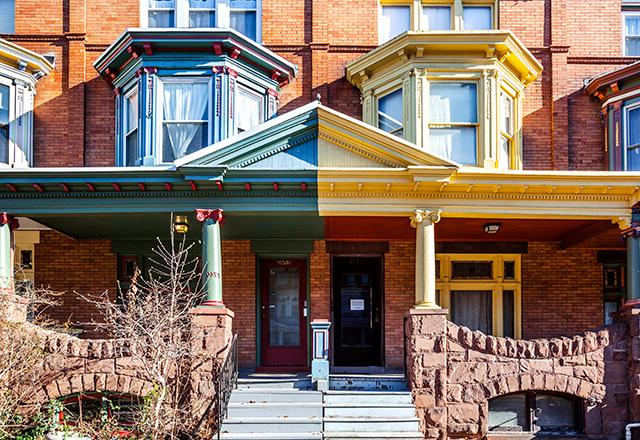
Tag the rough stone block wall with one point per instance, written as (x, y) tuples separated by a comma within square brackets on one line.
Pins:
[(87, 267), (453, 373)]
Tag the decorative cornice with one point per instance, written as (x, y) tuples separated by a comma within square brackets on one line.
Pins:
[(350, 147), (275, 150), (419, 216), (624, 223), (210, 214)]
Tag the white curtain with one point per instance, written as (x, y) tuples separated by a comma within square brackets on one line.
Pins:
[(247, 110), (436, 18), (184, 102)]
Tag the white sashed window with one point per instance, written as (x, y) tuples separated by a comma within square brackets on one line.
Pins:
[(132, 153), (390, 116), (453, 121), (505, 147), (631, 28), (7, 16), (394, 20), (4, 123), (477, 18), (632, 138), (436, 18), (185, 121), (241, 15), (248, 110)]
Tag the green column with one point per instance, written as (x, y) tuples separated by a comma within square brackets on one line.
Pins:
[(633, 264), (211, 255), (6, 267)]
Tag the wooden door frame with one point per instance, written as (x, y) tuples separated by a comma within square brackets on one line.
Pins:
[(332, 294)]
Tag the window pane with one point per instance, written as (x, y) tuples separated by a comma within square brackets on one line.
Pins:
[(161, 19), (390, 113), (4, 104), (244, 22), (632, 46), (436, 18), (453, 102), (509, 270), (248, 109), (476, 18), (506, 104), (609, 308), (555, 413), (508, 413), (284, 307), (394, 21), (504, 153), (243, 4), (633, 120), (4, 124), (132, 111), (202, 19), (471, 270), (184, 102), (455, 143), (472, 309), (202, 4), (7, 16), (508, 311), (633, 159)]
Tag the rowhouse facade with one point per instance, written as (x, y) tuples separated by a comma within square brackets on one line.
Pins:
[(369, 159)]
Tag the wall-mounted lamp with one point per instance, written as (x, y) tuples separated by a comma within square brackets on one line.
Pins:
[(491, 228), (180, 224)]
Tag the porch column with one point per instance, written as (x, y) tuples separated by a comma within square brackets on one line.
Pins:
[(424, 222), (7, 224), (632, 235), (211, 255)]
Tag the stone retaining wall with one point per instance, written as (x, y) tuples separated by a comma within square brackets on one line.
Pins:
[(454, 372)]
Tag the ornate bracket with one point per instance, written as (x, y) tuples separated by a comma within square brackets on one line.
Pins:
[(623, 222), (6, 219), (419, 215), (213, 214), (632, 232)]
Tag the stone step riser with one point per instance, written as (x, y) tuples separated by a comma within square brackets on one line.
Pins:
[(277, 410), (367, 385), (283, 426), (367, 399), (374, 436), (263, 436), (364, 412), (255, 396), (364, 425), (294, 385)]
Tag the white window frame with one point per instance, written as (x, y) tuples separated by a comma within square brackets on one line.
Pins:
[(160, 119), (381, 95), (478, 5), (511, 137), (125, 123), (11, 133), (244, 88), (222, 14), (626, 14), (625, 124), (189, 10)]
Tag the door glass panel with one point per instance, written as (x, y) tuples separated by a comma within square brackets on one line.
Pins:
[(472, 309), (508, 312), (284, 310), (356, 309)]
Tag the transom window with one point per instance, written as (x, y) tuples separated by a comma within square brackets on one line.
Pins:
[(390, 117), (632, 137), (397, 17), (185, 121), (535, 412), (241, 15), (453, 121), (482, 292)]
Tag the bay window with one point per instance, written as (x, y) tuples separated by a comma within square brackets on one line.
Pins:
[(241, 15), (4, 123), (390, 117), (185, 121), (453, 121), (249, 109)]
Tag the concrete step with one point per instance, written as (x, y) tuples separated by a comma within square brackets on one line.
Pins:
[(270, 395), (273, 409), (373, 435), (267, 436), (390, 411), (271, 382), (271, 425), (368, 382), (370, 424), (367, 398)]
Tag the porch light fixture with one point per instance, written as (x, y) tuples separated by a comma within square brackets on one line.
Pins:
[(180, 224), (491, 228)]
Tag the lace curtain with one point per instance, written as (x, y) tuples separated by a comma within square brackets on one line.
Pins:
[(184, 102)]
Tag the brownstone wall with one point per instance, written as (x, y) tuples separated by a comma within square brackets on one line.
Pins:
[(561, 291), (454, 372), (87, 267)]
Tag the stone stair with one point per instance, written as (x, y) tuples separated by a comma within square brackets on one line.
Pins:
[(283, 406)]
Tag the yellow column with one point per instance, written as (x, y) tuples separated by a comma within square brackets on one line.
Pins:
[(424, 222)]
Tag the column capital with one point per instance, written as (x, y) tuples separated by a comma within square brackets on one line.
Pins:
[(213, 214), (419, 215), (6, 219), (623, 222)]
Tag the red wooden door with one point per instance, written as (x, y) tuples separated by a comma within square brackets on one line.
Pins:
[(283, 312)]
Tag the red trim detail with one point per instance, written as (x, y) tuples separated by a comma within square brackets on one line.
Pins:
[(12, 187), (247, 186), (147, 48), (150, 70), (91, 187), (217, 49), (283, 83), (275, 74), (65, 187), (38, 187), (232, 72), (212, 303), (110, 74), (116, 91), (142, 186), (303, 186), (234, 53), (168, 186), (216, 69), (6, 219), (273, 92), (133, 53), (219, 185), (193, 185), (213, 214), (276, 187), (116, 186)]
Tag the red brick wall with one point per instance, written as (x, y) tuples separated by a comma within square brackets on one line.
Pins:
[(87, 267), (561, 291), (239, 295), (320, 282)]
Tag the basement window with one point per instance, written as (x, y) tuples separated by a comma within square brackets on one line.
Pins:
[(545, 413), (120, 409)]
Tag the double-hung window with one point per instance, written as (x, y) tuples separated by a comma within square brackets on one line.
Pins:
[(394, 20), (132, 154), (185, 121), (453, 121), (477, 18), (249, 109), (631, 33), (390, 116), (632, 137), (436, 18), (505, 147), (4, 123), (7, 16), (241, 15)]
